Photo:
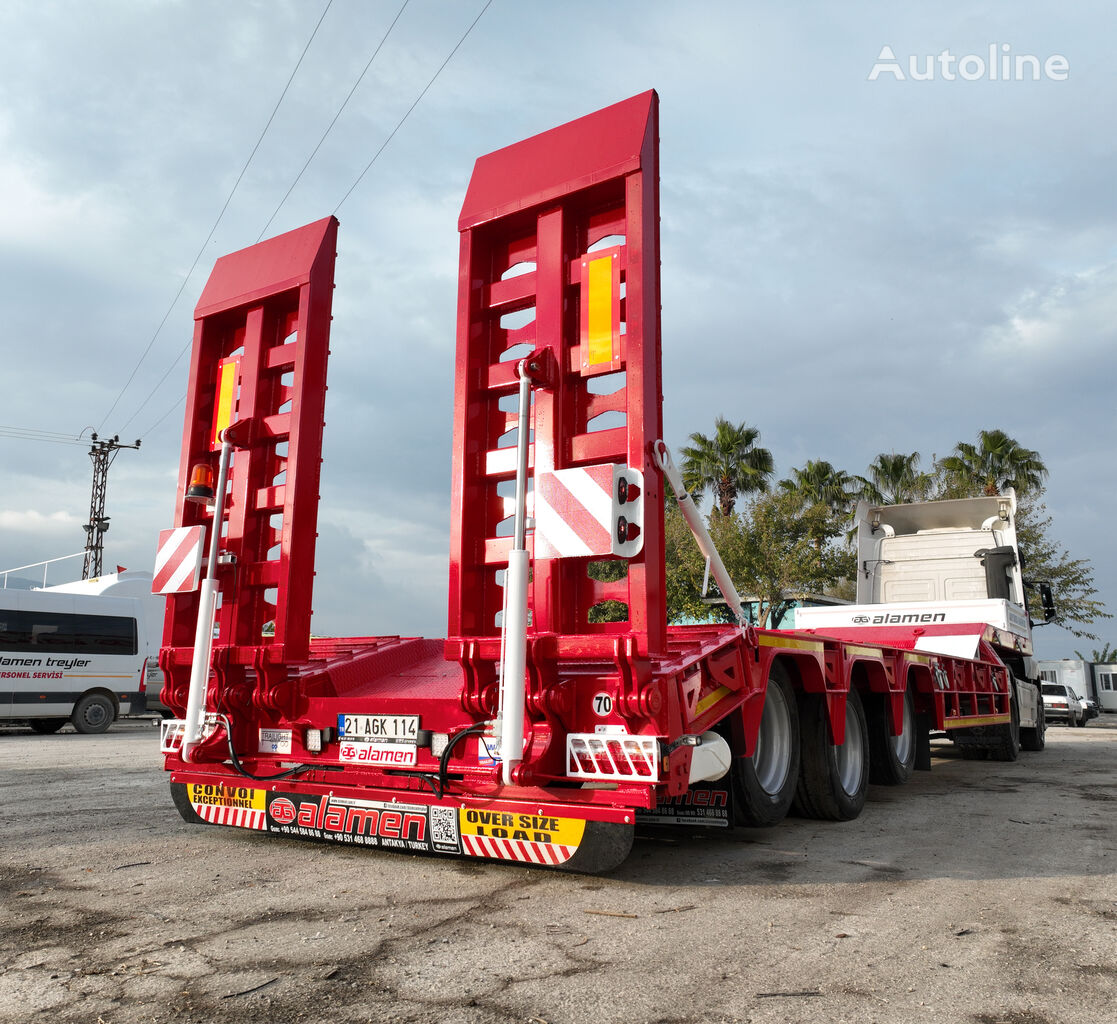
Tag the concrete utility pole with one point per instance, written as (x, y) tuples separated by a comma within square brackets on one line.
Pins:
[(102, 453)]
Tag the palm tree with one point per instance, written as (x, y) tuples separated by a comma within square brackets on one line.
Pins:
[(819, 483), (997, 461), (1105, 656), (895, 479), (729, 463)]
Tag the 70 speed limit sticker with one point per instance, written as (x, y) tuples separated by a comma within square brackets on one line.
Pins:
[(602, 704)]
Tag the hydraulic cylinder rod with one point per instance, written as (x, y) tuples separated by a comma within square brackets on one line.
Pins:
[(514, 621), (207, 614), (694, 520)]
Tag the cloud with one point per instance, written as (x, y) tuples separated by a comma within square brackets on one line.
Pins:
[(1073, 316), (32, 521)]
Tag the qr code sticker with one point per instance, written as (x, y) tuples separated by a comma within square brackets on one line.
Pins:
[(444, 825)]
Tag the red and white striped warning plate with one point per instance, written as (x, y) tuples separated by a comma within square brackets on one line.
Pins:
[(573, 512), (517, 849), (178, 561), (241, 817), (577, 512)]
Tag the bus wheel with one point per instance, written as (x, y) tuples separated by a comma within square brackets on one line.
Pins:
[(833, 780), (47, 725), (93, 713), (764, 784), (893, 757)]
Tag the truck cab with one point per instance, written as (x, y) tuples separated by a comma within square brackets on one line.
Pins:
[(945, 577)]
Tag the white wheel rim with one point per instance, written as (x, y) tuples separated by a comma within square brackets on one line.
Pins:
[(851, 754), (772, 759)]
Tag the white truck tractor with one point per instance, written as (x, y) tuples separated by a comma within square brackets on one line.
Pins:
[(947, 577)]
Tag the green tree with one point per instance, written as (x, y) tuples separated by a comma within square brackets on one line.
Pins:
[(788, 549), (1045, 560), (730, 463), (1106, 656), (895, 479), (685, 569), (997, 461), (771, 550), (820, 483)]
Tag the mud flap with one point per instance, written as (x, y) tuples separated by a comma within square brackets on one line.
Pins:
[(492, 833), (183, 805), (922, 743), (604, 847)]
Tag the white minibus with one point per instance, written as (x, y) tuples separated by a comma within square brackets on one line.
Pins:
[(78, 652)]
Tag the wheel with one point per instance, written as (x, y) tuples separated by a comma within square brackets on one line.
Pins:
[(764, 784), (1035, 739), (93, 713), (47, 725), (892, 757), (833, 780), (1081, 723), (1006, 744)]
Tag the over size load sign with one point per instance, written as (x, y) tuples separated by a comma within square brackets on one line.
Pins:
[(178, 560), (588, 511)]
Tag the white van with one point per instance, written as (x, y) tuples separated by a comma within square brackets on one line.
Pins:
[(78, 652)]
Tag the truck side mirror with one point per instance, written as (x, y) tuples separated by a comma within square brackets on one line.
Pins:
[(1047, 599)]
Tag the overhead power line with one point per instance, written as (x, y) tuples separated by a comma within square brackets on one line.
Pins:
[(351, 188), (29, 434), (384, 145), (330, 126), (170, 369), (202, 250)]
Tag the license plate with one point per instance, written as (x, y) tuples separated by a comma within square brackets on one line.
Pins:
[(393, 728)]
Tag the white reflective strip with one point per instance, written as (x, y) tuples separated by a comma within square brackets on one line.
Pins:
[(597, 502), (557, 532)]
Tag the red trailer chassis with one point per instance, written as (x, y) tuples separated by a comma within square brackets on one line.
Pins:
[(388, 741)]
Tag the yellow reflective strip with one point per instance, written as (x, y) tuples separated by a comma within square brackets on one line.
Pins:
[(965, 723), (786, 641), (920, 659), (869, 652), (226, 390), (711, 699), (599, 324)]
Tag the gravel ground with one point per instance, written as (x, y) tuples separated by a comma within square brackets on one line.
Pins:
[(980, 892)]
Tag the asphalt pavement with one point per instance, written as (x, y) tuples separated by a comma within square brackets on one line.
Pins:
[(979, 893)]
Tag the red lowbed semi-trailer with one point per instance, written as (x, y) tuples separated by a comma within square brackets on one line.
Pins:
[(532, 733)]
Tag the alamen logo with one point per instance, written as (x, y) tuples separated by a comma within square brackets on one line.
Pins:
[(999, 65)]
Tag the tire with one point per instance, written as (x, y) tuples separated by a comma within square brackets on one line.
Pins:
[(1035, 739), (833, 780), (45, 726), (94, 713), (1081, 723), (1006, 745), (892, 758), (764, 784)]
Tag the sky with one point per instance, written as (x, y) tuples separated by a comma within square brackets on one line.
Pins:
[(863, 249)]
